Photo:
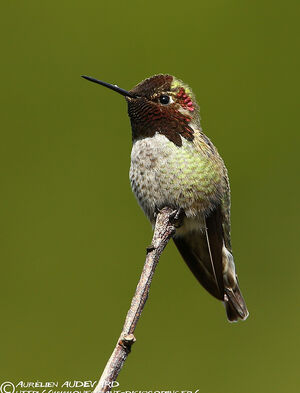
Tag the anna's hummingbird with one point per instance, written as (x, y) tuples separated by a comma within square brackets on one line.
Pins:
[(174, 164)]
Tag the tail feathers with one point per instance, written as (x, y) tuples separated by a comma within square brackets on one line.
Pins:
[(206, 255), (235, 304)]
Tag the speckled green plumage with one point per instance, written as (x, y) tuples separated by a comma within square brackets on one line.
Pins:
[(162, 173)]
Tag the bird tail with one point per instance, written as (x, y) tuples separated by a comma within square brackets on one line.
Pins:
[(212, 264), (235, 304)]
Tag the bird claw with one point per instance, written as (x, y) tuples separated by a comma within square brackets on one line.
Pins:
[(176, 217)]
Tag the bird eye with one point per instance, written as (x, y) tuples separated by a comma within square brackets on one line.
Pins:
[(164, 100)]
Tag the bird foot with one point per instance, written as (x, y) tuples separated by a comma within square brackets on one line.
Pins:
[(177, 217)]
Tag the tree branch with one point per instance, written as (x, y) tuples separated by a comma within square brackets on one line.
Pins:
[(165, 227)]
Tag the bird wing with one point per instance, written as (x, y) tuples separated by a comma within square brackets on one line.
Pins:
[(225, 213), (206, 253), (202, 252)]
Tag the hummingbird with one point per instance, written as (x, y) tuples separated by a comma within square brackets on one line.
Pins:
[(174, 164)]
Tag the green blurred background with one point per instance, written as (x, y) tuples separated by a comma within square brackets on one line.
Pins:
[(72, 236)]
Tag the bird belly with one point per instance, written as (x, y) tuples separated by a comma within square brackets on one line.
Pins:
[(163, 174)]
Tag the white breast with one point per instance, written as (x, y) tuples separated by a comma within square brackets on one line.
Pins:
[(163, 174), (151, 173)]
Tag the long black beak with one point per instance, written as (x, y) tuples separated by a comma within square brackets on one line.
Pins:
[(110, 86)]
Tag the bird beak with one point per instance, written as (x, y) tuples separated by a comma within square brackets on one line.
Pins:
[(110, 86)]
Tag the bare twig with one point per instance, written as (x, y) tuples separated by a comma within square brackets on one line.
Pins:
[(165, 227)]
